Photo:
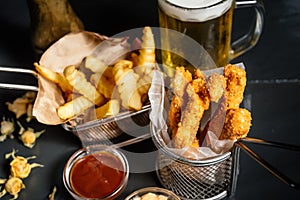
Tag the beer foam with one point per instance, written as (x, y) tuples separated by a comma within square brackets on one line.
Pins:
[(195, 10)]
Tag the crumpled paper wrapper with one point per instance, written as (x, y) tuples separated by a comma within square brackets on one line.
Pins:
[(158, 116), (71, 50)]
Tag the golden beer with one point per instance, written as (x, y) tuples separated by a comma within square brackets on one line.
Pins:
[(208, 25)]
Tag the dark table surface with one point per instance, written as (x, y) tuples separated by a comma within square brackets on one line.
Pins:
[(272, 95)]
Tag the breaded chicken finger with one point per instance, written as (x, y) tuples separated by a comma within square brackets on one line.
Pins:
[(190, 120), (180, 82), (235, 85)]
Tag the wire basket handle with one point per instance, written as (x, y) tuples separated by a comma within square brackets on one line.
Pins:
[(271, 143), (18, 86), (264, 163)]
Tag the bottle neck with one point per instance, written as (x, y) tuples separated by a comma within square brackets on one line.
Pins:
[(51, 20)]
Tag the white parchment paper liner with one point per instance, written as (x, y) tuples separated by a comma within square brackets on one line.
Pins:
[(71, 50), (158, 117)]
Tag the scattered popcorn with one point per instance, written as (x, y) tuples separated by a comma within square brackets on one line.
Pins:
[(23, 105), (19, 166), (52, 195), (7, 128), (28, 137), (13, 186)]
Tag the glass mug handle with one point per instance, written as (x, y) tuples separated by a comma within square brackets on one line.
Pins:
[(249, 40)]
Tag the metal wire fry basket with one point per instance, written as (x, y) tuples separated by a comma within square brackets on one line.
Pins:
[(210, 179), (103, 130), (96, 131), (195, 181)]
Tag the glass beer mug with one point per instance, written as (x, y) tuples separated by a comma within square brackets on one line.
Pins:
[(197, 33)]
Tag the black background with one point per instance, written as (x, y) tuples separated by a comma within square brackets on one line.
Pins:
[(273, 90)]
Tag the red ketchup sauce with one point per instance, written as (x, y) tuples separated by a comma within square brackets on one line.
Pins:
[(97, 175)]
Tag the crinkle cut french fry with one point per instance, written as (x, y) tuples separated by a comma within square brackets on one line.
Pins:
[(119, 68), (94, 64), (126, 80), (104, 83), (146, 61), (74, 107), (111, 108), (106, 86), (55, 77), (71, 96), (95, 78), (144, 84), (147, 52), (78, 81), (108, 73)]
